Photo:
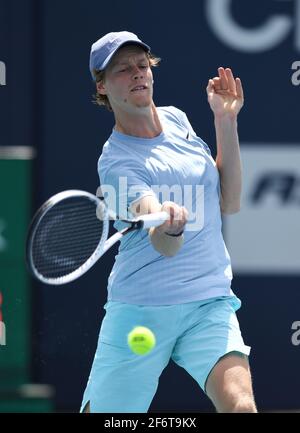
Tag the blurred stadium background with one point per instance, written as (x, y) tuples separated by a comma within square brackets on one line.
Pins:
[(51, 136)]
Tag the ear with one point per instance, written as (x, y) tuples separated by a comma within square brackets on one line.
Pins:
[(101, 87)]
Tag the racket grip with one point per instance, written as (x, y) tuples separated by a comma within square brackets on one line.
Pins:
[(154, 219)]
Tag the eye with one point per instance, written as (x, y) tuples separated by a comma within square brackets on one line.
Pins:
[(121, 69)]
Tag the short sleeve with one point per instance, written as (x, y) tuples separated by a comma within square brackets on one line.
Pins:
[(192, 134), (185, 122), (122, 183)]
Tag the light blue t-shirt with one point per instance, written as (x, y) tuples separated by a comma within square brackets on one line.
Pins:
[(176, 166)]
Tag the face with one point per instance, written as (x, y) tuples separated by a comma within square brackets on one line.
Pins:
[(128, 80)]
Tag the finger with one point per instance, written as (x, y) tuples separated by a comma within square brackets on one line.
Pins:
[(183, 217), (167, 208), (210, 87), (230, 80), (217, 83), (180, 222), (177, 217), (239, 88), (175, 214), (223, 79), (172, 215)]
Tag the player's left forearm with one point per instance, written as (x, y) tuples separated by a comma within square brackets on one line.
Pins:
[(228, 162)]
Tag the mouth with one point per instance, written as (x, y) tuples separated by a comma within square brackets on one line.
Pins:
[(139, 88)]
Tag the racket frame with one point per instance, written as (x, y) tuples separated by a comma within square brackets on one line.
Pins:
[(34, 226)]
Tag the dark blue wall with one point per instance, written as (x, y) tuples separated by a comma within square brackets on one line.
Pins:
[(68, 132)]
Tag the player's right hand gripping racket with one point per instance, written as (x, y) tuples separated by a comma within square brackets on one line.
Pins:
[(68, 234)]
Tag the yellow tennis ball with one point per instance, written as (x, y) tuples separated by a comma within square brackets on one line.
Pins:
[(141, 340)]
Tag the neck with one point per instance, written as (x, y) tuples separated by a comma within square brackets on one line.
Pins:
[(144, 124)]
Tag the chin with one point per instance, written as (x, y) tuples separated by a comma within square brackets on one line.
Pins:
[(144, 104), (141, 105)]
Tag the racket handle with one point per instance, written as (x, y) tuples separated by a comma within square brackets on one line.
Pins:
[(154, 219)]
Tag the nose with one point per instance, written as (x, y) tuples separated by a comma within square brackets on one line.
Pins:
[(137, 73)]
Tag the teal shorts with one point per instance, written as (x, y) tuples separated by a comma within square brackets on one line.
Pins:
[(194, 335)]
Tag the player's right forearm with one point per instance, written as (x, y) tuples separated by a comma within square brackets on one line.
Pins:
[(165, 244)]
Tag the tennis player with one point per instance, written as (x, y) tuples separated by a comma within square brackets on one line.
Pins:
[(176, 278)]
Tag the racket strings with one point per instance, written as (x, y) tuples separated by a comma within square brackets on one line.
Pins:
[(66, 237)]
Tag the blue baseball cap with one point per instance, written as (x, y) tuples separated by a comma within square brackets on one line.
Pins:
[(103, 50)]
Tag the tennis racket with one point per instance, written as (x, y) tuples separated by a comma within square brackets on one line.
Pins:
[(69, 233)]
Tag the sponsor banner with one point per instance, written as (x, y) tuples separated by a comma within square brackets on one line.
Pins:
[(265, 35), (264, 236)]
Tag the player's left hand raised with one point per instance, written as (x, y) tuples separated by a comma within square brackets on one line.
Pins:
[(225, 93)]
